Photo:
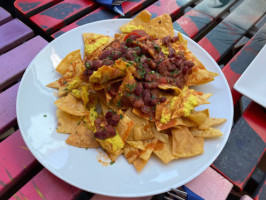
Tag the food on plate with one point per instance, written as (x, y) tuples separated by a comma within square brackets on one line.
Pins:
[(132, 95)]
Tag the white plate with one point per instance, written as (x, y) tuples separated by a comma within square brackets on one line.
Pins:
[(79, 167), (252, 82)]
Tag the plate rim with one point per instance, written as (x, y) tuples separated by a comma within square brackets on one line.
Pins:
[(196, 174)]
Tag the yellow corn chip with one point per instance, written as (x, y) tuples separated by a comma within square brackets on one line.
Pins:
[(71, 58), (164, 151), (136, 144), (82, 138), (184, 144), (71, 105), (206, 133), (139, 164), (67, 123), (131, 153), (149, 147), (94, 44), (211, 122)]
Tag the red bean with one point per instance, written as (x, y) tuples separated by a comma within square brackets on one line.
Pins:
[(162, 99), (146, 96), (113, 121), (145, 109), (189, 63), (110, 130), (174, 39), (101, 134), (96, 64), (166, 40), (138, 103), (105, 54), (138, 89), (108, 115)]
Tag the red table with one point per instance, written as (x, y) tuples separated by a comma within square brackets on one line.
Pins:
[(232, 31)]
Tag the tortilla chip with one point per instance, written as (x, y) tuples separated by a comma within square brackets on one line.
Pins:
[(180, 121), (82, 137), (163, 137), (136, 144), (94, 44), (138, 112), (200, 76), (67, 123), (142, 129), (54, 84), (71, 105), (199, 116), (184, 144), (176, 90), (131, 153), (206, 133), (115, 155), (159, 27), (72, 57), (164, 151), (105, 74), (211, 122), (149, 147), (124, 127), (139, 164)]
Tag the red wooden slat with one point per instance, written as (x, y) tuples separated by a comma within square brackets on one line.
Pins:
[(12, 34), (30, 7), (222, 38), (16, 161), (4, 16), (8, 108), (129, 8), (14, 62), (63, 13), (255, 116), (242, 59), (260, 193), (171, 7), (46, 186)]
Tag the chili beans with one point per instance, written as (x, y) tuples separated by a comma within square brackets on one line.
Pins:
[(152, 68), (110, 120)]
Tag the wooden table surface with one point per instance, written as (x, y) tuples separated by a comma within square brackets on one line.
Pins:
[(231, 31)]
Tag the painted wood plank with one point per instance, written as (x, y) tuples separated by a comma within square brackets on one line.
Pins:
[(210, 185), (4, 16), (201, 16), (14, 62), (255, 116), (102, 13), (133, 7), (12, 34), (222, 38), (46, 186), (171, 7), (244, 148), (31, 7), (242, 59), (61, 14), (16, 161), (260, 193), (8, 108)]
